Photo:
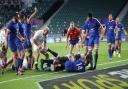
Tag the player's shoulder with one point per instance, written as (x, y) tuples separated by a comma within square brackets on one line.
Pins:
[(95, 19), (77, 28)]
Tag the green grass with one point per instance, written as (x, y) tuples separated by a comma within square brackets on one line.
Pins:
[(28, 81)]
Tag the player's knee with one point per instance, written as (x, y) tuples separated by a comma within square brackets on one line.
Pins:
[(96, 51)]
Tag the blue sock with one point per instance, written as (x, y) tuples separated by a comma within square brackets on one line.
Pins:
[(95, 57), (113, 50), (110, 53), (90, 58), (21, 63)]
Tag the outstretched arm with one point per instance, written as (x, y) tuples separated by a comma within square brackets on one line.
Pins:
[(32, 16)]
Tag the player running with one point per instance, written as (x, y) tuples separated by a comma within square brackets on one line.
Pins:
[(73, 36), (119, 30), (110, 32), (93, 28)]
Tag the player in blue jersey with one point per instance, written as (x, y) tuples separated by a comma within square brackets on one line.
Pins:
[(119, 30), (11, 38), (20, 42), (93, 28), (110, 32), (27, 44)]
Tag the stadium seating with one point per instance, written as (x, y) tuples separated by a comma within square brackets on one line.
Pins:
[(43, 6), (77, 10), (125, 21), (8, 7), (16, 5)]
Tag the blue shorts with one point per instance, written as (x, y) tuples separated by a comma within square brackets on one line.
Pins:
[(12, 45), (86, 42), (93, 40), (74, 42), (27, 44), (119, 39), (111, 39), (20, 46)]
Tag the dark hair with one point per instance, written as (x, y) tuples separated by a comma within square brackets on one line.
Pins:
[(90, 15), (77, 56), (21, 16)]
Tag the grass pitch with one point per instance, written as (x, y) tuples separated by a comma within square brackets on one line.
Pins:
[(29, 81)]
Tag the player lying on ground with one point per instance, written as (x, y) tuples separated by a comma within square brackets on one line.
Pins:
[(69, 63)]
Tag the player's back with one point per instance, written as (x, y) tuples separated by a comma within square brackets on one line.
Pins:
[(28, 30)]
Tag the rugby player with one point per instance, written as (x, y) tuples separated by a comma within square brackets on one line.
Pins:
[(93, 27), (27, 44), (40, 45), (110, 32), (119, 30), (11, 39)]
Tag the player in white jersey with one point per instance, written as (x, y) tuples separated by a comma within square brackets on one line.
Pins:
[(40, 45)]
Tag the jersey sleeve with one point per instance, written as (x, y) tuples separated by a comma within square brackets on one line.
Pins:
[(98, 23), (84, 27)]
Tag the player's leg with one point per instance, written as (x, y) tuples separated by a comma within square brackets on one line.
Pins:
[(78, 48), (119, 47), (71, 47), (89, 54), (21, 54), (36, 57), (86, 51), (115, 48), (72, 44), (96, 46), (110, 51), (109, 41), (55, 54), (28, 54), (13, 48)]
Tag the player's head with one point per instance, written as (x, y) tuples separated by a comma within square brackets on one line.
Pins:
[(21, 17), (77, 56), (117, 20), (72, 25), (110, 17), (89, 17), (14, 17), (45, 30)]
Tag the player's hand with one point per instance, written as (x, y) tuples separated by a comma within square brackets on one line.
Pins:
[(35, 9), (22, 39)]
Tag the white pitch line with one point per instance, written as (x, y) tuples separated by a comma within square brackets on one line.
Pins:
[(52, 73), (26, 77)]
